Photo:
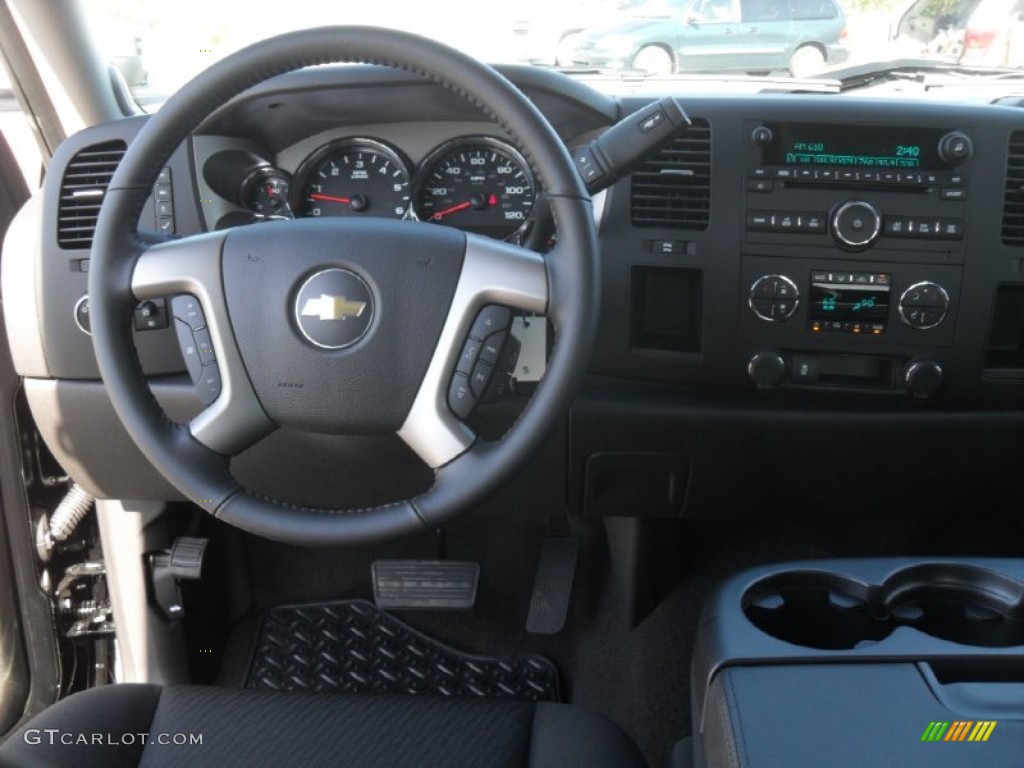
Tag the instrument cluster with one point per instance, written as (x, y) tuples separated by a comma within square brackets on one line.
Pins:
[(476, 183)]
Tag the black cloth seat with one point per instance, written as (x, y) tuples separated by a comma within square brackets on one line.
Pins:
[(122, 726)]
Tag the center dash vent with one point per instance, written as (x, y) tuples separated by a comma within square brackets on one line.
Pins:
[(85, 182), (1013, 199), (673, 188)]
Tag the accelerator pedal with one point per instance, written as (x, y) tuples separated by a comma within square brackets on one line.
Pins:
[(423, 584), (552, 586)]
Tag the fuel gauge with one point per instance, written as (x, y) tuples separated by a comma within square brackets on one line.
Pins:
[(265, 193)]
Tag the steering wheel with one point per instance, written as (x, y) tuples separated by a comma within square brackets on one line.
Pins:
[(340, 325)]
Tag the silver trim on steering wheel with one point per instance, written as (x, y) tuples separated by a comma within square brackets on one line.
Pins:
[(236, 419), (493, 272)]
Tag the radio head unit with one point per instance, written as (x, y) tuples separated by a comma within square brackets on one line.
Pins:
[(861, 147)]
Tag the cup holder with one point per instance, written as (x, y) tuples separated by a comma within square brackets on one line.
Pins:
[(960, 603)]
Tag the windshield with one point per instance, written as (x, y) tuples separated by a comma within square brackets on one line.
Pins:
[(157, 45)]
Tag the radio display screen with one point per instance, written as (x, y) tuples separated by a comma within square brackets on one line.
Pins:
[(863, 146)]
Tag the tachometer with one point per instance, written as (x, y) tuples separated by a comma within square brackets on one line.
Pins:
[(479, 184), (352, 177)]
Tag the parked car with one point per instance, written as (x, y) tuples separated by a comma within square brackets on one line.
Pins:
[(932, 28), (723, 36), (995, 34)]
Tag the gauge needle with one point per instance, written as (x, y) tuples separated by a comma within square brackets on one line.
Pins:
[(330, 198), (492, 200), (455, 208)]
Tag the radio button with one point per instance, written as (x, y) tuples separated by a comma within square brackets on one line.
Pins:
[(953, 193), (760, 185)]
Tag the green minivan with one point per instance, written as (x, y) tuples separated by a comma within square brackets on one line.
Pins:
[(801, 36)]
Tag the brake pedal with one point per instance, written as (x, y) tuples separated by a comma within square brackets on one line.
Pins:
[(420, 584), (552, 586)]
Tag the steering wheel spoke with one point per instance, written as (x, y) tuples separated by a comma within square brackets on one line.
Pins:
[(493, 273), (235, 419)]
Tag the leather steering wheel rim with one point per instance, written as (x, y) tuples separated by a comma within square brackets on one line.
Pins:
[(201, 472)]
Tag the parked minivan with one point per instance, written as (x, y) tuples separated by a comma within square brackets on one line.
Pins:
[(801, 36)]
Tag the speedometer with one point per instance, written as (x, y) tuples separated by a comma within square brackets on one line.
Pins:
[(478, 184), (351, 177)]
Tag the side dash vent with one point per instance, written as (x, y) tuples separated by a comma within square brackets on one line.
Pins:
[(85, 182), (673, 188), (1013, 198)]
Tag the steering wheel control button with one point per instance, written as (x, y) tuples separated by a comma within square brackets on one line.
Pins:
[(188, 309), (204, 345), (468, 357), (923, 305), (492, 347), (490, 319), (480, 378), (208, 386), (334, 308), (189, 350), (856, 224), (774, 298), (82, 315), (460, 396), (151, 315)]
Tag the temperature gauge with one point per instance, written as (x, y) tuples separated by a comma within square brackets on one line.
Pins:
[(265, 193)]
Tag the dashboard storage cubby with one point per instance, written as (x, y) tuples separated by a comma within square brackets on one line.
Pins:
[(902, 646)]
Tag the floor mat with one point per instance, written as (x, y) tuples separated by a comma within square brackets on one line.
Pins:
[(353, 646)]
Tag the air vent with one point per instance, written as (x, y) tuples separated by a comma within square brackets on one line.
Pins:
[(86, 179), (1013, 201), (673, 188)]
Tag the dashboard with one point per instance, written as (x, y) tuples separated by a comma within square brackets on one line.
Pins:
[(793, 274)]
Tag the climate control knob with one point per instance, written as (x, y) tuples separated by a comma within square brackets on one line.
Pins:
[(856, 224), (767, 369), (773, 298), (922, 377), (923, 305)]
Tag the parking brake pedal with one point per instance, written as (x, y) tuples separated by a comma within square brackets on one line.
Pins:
[(552, 586), (184, 560), (419, 584)]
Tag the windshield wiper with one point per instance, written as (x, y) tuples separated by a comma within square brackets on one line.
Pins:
[(924, 71)]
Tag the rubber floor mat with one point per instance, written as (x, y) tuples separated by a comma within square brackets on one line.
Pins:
[(356, 647)]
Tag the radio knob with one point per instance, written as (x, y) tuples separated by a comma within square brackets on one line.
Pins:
[(856, 224), (762, 135), (922, 377), (923, 305), (767, 369), (956, 147)]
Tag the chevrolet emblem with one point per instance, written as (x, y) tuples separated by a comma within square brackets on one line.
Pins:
[(332, 307)]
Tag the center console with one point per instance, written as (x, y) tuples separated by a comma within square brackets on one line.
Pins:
[(863, 662)]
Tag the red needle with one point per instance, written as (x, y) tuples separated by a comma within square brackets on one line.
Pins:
[(453, 209), (330, 199)]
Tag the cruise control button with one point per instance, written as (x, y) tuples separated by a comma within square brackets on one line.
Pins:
[(460, 397), (189, 350), (205, 346), (491, 318), (208, 387), (188, 309), (492, 347), (479, 379)]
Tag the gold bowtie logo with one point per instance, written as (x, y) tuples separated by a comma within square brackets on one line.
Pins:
[(333, 307)]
